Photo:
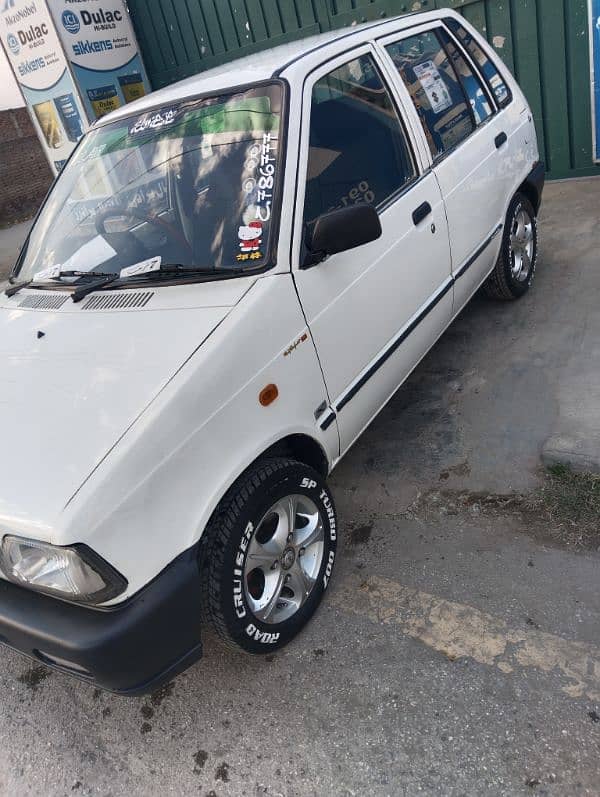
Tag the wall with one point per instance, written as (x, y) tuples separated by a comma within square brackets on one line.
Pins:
[(24, 172), (544, 42)]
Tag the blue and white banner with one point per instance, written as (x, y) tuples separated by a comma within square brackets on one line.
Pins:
[(100, 44), (36, 56), (595, 73)]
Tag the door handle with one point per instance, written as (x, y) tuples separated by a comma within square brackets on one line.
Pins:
[(421, 213), (501, 139)]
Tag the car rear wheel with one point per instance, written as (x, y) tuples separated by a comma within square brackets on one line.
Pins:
[(268, 555), (515, 269)]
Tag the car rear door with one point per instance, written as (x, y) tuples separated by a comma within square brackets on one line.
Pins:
[(373, 311), (457, 113)]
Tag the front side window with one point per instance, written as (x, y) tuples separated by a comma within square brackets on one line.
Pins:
[(358, 148), (493, 77), (195, 184), (435, 89)]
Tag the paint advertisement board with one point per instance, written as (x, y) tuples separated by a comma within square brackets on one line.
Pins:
[(595, 73), (35, 53), (99, 42)]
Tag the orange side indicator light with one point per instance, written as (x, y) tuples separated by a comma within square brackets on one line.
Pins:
[(268, 395)]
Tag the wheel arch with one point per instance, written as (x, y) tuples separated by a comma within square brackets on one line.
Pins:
[(299, 446), (533, 185)]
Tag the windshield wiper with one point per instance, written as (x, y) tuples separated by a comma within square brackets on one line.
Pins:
[(81, 292), (178, 268), (85, 274), (17, 287), (105, 278), (14, 289)]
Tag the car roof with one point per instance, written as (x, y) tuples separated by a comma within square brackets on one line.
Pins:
[(264, 65)]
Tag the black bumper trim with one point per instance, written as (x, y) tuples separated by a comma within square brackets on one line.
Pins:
[(537, 179), (131, 649)]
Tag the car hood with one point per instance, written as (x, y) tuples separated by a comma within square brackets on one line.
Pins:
[(74, 377)]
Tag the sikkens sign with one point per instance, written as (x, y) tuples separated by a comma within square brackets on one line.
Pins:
[(100, 44), (37, 59), (74, 60)]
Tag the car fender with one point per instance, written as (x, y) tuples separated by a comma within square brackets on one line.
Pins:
[(151, 497)]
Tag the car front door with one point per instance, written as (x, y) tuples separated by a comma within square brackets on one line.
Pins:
[(458, 117), (373, 311)]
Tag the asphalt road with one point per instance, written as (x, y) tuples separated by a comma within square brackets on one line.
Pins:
[(11, 240), (457, 650)]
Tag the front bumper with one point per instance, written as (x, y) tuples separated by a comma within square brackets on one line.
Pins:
[(130, 649)]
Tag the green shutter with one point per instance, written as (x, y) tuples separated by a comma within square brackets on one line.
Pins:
[(545, 43)]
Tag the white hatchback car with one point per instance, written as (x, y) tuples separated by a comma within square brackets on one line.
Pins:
[(227, 282)]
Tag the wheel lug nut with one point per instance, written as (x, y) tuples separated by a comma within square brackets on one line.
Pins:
[(302, 551), (289, 538), (274, 565), (287, 578)]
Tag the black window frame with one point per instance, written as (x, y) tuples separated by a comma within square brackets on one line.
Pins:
[(484, 85), (449, 23), (382, 206), (435, 159), (440, 24)]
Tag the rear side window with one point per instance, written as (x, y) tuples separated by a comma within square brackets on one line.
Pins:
[(471, 83), (493, 77), (435, 89), (358, 148)]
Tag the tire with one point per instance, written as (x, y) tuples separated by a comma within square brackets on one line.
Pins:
[(249, 529), (515, 269)]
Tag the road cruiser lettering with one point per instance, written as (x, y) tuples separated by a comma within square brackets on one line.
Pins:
[(261, 636)]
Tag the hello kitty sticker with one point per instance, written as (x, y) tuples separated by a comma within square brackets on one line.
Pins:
[(250, 236), (258, 185)]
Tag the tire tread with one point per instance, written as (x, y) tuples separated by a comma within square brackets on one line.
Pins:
[(497, 286), (219, 531)]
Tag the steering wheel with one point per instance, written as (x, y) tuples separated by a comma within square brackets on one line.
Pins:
[(175, 235)]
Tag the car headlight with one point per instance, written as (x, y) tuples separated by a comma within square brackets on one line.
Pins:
[(73, 573)]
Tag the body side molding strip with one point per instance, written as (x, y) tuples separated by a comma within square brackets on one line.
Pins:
[(412, 325)]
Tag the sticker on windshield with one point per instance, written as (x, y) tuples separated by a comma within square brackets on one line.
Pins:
[(433, 85), (156, 120), (266, 180), (47, 273), (144, 267), (258, 185), (250, 236)]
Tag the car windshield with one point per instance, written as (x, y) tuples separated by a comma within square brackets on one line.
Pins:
[(194, 183)]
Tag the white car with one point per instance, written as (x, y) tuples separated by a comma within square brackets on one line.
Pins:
[(228, 281)]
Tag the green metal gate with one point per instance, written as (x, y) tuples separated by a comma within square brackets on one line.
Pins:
[(544, 42)]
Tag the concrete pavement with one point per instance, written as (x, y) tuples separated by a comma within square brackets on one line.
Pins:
[(575, 439), (457, 650), (11, 240)]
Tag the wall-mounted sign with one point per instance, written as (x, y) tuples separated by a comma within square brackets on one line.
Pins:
[(101, 47), (74, 60), (595, 73), (36, 56)]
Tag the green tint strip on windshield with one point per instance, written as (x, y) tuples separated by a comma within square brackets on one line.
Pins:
[(248, 115)]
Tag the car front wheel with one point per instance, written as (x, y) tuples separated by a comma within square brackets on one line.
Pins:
[(269, 554), (515, 269)]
